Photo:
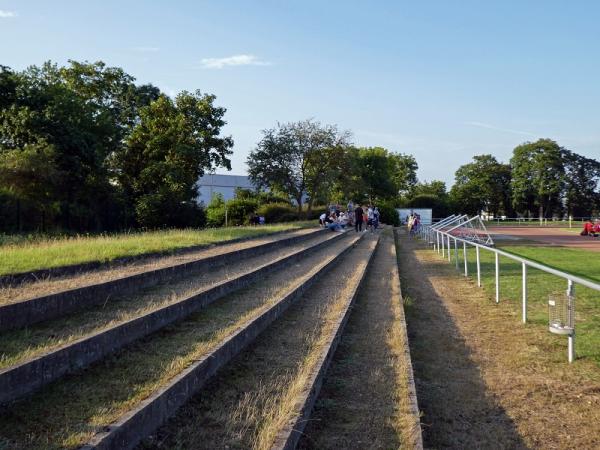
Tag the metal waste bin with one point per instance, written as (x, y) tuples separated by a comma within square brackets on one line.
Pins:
[(561, 313)]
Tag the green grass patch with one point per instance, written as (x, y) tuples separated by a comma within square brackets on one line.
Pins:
[(540, 285), (48, 253)]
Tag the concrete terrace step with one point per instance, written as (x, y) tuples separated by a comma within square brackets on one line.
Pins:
[(28, 376), (27, 312), (127, 432)]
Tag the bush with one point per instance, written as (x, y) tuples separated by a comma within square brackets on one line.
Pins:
[(215, 211), (388, 214), (277, 212), (240, 210)]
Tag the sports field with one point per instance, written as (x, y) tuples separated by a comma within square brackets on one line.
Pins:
[(563, 237), (555, 248)]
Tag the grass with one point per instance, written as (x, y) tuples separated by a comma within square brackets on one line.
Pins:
[(485, 380), (49, 253), (67, 413), (540, 285), (23, 344), (247, 404), (364, 401)]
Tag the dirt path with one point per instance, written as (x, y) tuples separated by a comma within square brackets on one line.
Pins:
[(549, 236), (483, 380), (363, 402)]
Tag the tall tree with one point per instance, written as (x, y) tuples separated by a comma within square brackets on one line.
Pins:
[(582, 184), (483, 184), (538, 176), (174, 144), (298, 158)]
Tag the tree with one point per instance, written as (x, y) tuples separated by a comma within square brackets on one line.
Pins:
[(483, 184), (538, 176), (45, 114), (298, 158), (582, 182), (428, 195), (173, 145)]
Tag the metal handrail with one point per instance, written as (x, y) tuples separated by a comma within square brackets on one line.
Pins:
[(443, 238)]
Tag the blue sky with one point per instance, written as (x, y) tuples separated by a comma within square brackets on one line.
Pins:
[(440, 80)]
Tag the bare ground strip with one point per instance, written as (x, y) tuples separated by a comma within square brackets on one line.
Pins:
[(252, 399), (67, 413), (364, 402), (483, 379)]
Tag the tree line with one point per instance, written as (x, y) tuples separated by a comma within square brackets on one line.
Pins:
[(84, 148), (542, 179)]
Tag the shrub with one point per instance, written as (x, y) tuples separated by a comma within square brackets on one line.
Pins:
[(277, 212), (215, 211), (240, 210), (388, 214)]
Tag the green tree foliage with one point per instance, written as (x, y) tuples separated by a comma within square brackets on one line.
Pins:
[(46, 115), (538, 176), (82, 147), (373, 174), (388, 214), (173, 144), (428, 195), (483, 184), (299, 158), (582, 183)]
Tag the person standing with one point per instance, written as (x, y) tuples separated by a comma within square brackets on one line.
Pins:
[(370, 218), (358, 219)]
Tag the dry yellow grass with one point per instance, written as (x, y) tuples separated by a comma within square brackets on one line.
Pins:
[(365, 399), (67, 413), (20, 345), (483, 379), (246, 405), (27, 290)]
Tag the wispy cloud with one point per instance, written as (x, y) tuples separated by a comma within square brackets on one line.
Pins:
[(235, 60), (505, 130), (7, 14), (146, 49)]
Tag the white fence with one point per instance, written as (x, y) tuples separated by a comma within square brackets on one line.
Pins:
[(446, 244)]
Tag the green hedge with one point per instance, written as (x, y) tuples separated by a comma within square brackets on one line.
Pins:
[(388, 215), (277, 212)]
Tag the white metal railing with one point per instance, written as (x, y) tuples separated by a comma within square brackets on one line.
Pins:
[(441, 242)]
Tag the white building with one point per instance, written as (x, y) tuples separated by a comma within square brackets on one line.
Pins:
[(224, 184)]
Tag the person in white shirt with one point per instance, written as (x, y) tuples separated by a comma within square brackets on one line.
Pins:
[(370, 218)]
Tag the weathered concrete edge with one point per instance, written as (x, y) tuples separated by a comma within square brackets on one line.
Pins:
[(288, 437), (127, 432), (29, 376), (14, 278), (47, 307), (416, 432)]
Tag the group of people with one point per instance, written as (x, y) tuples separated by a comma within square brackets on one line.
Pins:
[(413, 223), (337, 220), (590, 228)]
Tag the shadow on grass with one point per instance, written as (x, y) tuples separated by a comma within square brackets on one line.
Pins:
[(458, 410)]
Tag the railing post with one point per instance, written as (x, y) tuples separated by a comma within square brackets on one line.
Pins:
[(443, 246), (524, 291), (465, 258), (478, 266), (437, 240), (456, 252), (571, 337), (497, 277), (449, 257)]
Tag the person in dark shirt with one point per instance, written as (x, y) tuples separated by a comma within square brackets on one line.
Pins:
[(358, 219)]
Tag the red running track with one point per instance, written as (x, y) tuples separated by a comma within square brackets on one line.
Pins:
[(549, 236)]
